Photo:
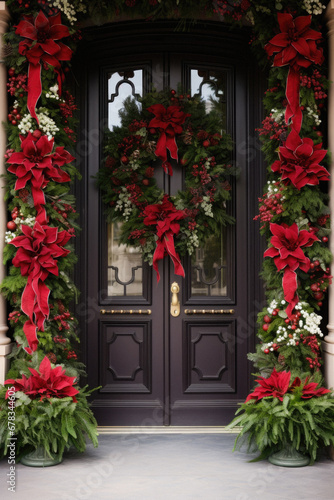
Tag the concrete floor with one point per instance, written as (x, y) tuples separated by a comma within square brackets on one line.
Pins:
[(168, 467)]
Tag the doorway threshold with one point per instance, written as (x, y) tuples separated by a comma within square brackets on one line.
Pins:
[(167, 430)]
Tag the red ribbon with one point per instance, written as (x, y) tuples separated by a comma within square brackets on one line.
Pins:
[(168, 122), (293, 112), (165, 245), (39, 45), (164, 216), (38, 248)]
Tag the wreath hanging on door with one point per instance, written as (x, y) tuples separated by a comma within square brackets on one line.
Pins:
[(162, 130)]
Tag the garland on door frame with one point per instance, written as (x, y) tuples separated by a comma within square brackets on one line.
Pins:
[(41, 141), (161, 225)]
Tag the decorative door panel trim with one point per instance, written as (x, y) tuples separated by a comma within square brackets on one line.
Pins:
[(209, 356), (125, 356)]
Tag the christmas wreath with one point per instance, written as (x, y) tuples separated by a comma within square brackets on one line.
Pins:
[(167, 130)]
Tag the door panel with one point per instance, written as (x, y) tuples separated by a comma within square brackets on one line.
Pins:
[(154, 368)]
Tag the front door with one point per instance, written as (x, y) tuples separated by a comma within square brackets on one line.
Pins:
[(157, 365)]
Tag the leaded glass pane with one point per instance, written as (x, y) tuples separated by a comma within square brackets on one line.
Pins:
[(125, 269), (209, 268)]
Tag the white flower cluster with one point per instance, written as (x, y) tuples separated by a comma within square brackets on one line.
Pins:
[(46, 124), (68, 8), (28, 221), (53, 93), (312, 113), (124, 204), (307, 321), (207, 206), (314, 7), (192, 241), (278, 115), (262, 8), (273, 187), (273, 304)]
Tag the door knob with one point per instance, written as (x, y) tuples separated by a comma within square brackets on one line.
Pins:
[(175, 304)]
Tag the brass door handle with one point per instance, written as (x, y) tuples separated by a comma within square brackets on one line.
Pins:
[(175, 304)]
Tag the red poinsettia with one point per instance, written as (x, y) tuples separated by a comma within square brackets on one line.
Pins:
[(38, 164), (46, 383), (274, 386), (278, 384), (297, 47), (286, 250), (38, 249), (168, 122), (164, 216), (41, 44), (299, 161)]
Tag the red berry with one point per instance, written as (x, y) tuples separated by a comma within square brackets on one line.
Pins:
[(15, 111), (312, 265), (314, 287), (152, 131), (183, 161), (146, 182), (266, 351), (10, 117), (316, 263), (274, 313), (318, 295), (18, 117), (11, 225), (206, 144), (37, 134), (14, 122), (265, 327), (287, 321), (319, 304), (324, 239), (11, 71), (125, 160), (267, 319), (293, 327)]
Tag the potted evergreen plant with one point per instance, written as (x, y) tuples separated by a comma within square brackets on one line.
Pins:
[(289, 422), (43, 414)]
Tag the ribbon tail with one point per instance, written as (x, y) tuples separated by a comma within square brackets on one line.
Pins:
[(160, 150), (172, 146), (169, 245), (28, 300), (158, 255), (39, 202), (290, 290), (34, 88), (293, 113), (30, 331)]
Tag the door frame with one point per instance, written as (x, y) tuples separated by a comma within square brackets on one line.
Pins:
[(138, 36)]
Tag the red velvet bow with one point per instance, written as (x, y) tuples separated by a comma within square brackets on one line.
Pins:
[(38, 248), (295, 46), (286, 250), (36, 163), (168, 122), (39, 45), (164, 215), (299, 161)]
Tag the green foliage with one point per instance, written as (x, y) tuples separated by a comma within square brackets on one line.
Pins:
[(55, 424), (267, 425), (205, 153)]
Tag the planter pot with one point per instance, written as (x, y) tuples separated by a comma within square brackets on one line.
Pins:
[(289, 457), (39, 458)]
